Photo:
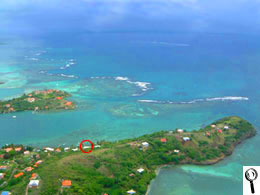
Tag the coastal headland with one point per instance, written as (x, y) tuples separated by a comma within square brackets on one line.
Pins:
[(44, 100), (121, 167)]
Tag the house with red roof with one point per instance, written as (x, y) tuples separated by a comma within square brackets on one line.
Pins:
[(68, 103), (66, 183), (18, 149), (19, 175), (8, 149), (163, 140), (29, 169)]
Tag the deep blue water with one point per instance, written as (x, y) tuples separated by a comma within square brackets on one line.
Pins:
[(171, 52)]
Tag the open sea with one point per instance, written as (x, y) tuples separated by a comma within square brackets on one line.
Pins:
[(135, 67)]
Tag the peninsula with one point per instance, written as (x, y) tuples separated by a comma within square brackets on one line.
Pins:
[(51, 99), (114, 168)]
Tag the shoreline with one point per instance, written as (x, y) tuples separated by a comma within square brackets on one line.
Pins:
[(206, 163), (137, 161)]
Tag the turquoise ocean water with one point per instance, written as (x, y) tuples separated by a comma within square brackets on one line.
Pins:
[(135, 68)]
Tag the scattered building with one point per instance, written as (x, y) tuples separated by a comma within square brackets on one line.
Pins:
[(141, 170), (2, 175), (186, 139), (75, 149), (207, 134), (8, 149), (176, 151), (131, 192), (59, 98), (131, 175), (39, 162), (29, 169), (33, 183), (68, 103), (26, 152), (3, 167), (163, 140), (8, 105), (66, 183), (49, 149), (31, 100), (19, 175), (58, 150), (18, 149), (219, 131), (66, 149), (97, 146), (145, 144), (213, 126), (34, 176), (226, 127), (180, 130)]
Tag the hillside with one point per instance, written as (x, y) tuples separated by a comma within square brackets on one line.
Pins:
[(117, 167)]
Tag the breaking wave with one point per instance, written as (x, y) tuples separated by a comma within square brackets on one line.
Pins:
[(70, 63), (143, 86), (170, 44), (226, 98)]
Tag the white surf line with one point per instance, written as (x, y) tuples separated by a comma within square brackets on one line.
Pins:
[(225, 98)]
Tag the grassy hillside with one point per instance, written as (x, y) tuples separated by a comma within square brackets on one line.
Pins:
[(112, 168)]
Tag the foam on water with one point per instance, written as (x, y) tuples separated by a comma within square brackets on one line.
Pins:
[(226, 98), (170, 44)]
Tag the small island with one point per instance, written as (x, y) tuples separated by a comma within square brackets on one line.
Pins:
[(45, 100), (115, 168)]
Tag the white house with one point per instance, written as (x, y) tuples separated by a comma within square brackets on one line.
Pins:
[(226, 127), (33, 183), (140, 170), (26, 152), (75, 149), (66, 149), (49, 149), (176, 151), (186, 139), (180, 130), (145, 144), (97, 146), (213, 126), (86, 147), (2, 175), (131, 192)]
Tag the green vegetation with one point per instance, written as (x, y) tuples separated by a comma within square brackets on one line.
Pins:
[(38, 100), (112, 168)]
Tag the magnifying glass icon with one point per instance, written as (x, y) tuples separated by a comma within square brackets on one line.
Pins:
[(251, 175)]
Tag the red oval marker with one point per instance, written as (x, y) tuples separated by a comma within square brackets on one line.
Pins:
[(83, 150)]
